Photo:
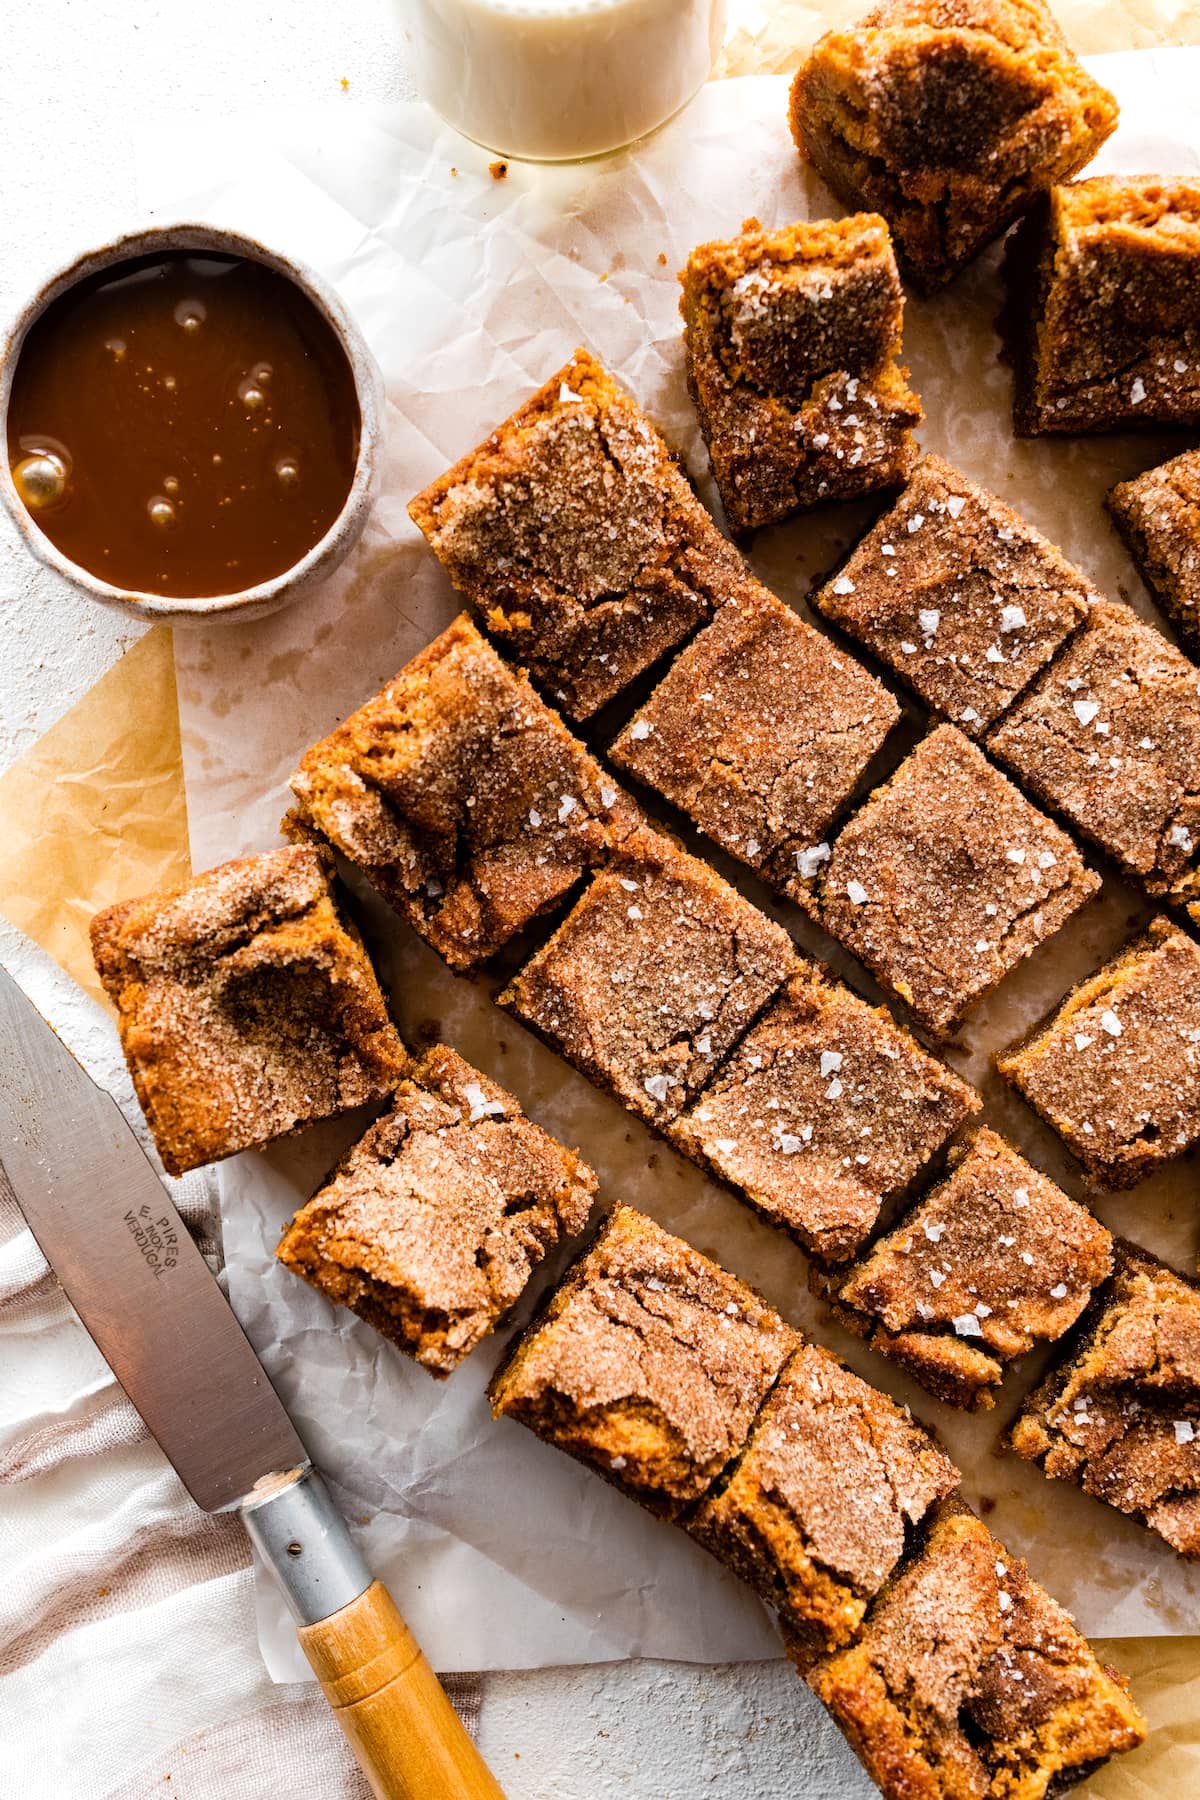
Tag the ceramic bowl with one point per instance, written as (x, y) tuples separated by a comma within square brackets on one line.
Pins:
[(327, 553)]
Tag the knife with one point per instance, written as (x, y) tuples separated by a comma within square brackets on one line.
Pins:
[(144, 1292)]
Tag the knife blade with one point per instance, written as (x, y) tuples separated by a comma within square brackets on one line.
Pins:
[(143, 1291)]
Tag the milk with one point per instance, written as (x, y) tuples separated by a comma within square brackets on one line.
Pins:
[(551, 80)]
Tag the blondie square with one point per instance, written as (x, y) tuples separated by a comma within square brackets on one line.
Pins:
[(576, 537), (948, 117), (760, 732), (792, 339), (992, 1261), (1119, 1415), (1110, 738), (818, 1507), (970, 1683), (652, 977), (1115, 1070), (822, 1112), (649, 1363), (1103, 314), (431, 1226), (944, 880), (462, 797), (247, 1007), (959, 595), (1158, 515)]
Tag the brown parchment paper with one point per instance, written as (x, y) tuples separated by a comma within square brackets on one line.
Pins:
[(96, 809)]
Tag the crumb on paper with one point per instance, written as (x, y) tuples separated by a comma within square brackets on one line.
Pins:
[(604, 277), (453, 170), (344, 84), (662, 257), (497, 170)]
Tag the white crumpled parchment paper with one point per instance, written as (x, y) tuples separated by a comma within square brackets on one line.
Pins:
[(501, 1552)]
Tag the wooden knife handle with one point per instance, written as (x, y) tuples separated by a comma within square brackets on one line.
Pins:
[(409, 1741)]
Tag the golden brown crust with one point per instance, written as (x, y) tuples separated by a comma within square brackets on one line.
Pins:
[(1119, 1412), (652, 977), (970, 1683), (959, 595), (945, 879), (1115, 1069), (792, 338), (825, 1109), (1102, 321), (1109, 736), (577, 539), (948, 117), (760, 731), (247, 1007), (819, 1506), (463, 798), (433, 1223), (649, 1363), (1158, 516), (991, 1261)]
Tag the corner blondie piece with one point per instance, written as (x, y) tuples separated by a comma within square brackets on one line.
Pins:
[(760, 732), (1158, 515), (247, 1007), (1115, 1070), (959, 595), (992, 1261), (1120, 1413), (652, 977), (431, 1226), (649, 1363), (462, 797), (944, 880), (948, 117), (817, 1509), (1110, 738), (792, 340), (970, 1683), (577, 539), (824, 1110), (1103, 315)]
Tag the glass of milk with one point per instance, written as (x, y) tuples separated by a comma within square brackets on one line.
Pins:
[(551, 80)]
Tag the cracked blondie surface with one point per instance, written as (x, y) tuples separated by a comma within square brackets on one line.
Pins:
[(993, 1260), (652, 977), (948, 117), (959, 595), (432, 1224), (1115, 1070), (760, 732), (1120, 1413), (824, 1110), (462, 797), (792, 337), (247, 1006), (649, 1363), (944, 880), (1158, 516), (1103, 315), (1110, 738), (820, 1505), (577, 539), (969, 1682)]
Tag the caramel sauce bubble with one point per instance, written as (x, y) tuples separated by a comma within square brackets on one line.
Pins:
[(214, 368)]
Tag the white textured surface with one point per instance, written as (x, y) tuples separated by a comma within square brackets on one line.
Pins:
[(73, 73)]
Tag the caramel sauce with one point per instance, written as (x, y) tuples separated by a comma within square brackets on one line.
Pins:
[(183, 424)]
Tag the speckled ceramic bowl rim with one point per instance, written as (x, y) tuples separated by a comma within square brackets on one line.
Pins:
[(345, 530)]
